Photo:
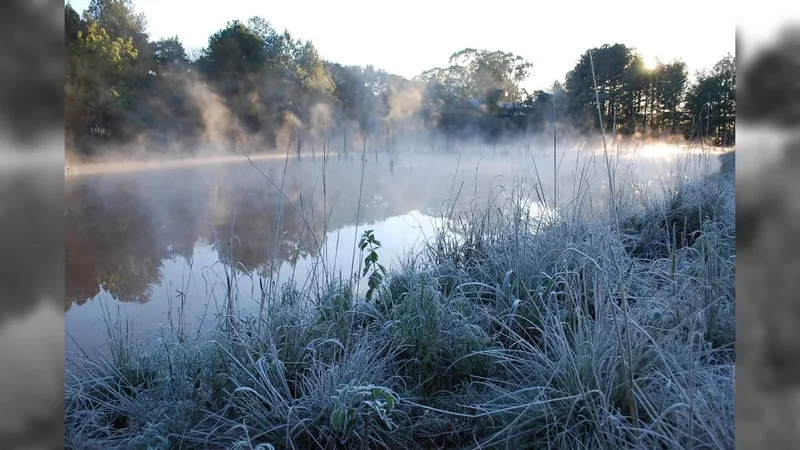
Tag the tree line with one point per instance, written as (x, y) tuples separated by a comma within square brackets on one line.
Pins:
[(252, 80)]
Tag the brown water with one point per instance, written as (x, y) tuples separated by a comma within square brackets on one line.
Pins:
[(143, 243)]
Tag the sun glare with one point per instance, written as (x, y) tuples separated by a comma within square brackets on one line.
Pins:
[(651, 62)]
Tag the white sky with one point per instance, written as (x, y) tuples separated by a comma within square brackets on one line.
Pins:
[(409, 37)]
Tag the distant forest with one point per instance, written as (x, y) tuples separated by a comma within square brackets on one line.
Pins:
[(124, 89)]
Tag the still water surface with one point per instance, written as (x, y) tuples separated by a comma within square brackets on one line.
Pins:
[(142, 243)]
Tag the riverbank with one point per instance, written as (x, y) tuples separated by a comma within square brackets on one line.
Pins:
[(586, 331)]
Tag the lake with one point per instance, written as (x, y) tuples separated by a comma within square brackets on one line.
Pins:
[(144, 241)]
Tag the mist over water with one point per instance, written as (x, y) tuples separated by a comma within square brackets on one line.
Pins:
[(145, 242)]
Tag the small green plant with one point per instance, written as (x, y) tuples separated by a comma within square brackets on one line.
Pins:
[(366, 403), (370, 244)]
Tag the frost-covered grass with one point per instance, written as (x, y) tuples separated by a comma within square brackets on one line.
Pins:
[(583, 331)]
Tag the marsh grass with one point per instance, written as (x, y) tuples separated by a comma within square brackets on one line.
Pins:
[(578, 328)]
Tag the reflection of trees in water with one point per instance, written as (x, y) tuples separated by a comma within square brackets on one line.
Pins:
[(111, 244), (119, 233), (121, 229), (183, 224), (256, 220)]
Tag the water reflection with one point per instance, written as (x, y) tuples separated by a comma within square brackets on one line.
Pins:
[(121, 228), (197, 282), (140, 242)]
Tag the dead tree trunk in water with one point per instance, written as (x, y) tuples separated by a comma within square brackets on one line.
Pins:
[(364, 150), (299, 142), (555, 158), (614, 122)]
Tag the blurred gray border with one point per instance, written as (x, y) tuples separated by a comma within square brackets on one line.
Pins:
[(768, 252), (31, 224)]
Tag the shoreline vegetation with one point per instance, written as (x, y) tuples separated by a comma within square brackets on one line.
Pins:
[(128, 93), (587, 330)]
